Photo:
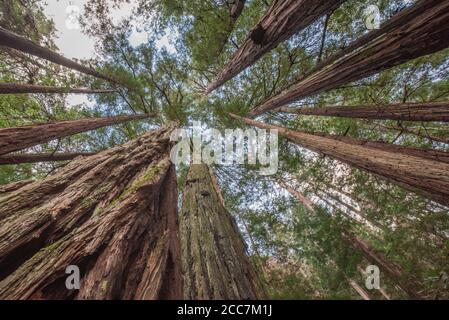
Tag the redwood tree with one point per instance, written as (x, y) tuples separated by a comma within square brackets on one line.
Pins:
[(428, 177), (417, 31), (282, 20), (112, 215), (15, 88), (18, 138), (215, 263), (16, 158), (393, 270), (11, 40), (437, 111)]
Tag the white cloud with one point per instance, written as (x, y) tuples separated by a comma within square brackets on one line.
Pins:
[(71, 42)]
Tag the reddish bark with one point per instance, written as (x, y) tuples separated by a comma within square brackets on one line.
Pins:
[(417, 31), (19, 138), (359, 290), (40, 157), (402, 112), (282, 20), (215, 263), (430, 154), (235, 10), (114, 215), (428, 177), (4, 189), (16, 88), (14, 41), (393, 270)]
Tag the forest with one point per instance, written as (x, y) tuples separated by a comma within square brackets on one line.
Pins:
[(347, 100)]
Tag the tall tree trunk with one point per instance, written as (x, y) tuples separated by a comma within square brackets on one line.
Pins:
[(282, 20), (235, 10), (403, 112), (16, 88), (18, 138), (14, 41), (415, 32), (114, 215), (430, 178), (299, 196), (25, 59), (7, 188), (434, 155), (41, 157), (393, 270), (215, 263), (359, 290), (353, 213)]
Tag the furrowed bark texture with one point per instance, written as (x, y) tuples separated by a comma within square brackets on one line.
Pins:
[(215, 263), (282, 20), (40, 157), (16, 88), (403, 112), (114, 215), (430, 154), (427, 177), (19, 138), (14, 41), (4, 189), (415, 32), (393, 270)]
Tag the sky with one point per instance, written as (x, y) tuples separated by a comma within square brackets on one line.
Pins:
[(72, 43)]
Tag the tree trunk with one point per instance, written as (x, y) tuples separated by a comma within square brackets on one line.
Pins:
[(215, 263), (18, 138), (40, 157), (336, 203), (282, 20), (235, 10), (415, 32), (434, 155), (25, 59), (359, 290), (299, 196), (14, 41), (7, 188), (16, 88), (393, 270), (430, 178), (401, 112), (114, 215)]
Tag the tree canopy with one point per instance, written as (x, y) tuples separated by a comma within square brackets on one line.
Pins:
[(301, 253)]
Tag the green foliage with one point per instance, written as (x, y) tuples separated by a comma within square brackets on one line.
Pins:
[(302, 253)]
